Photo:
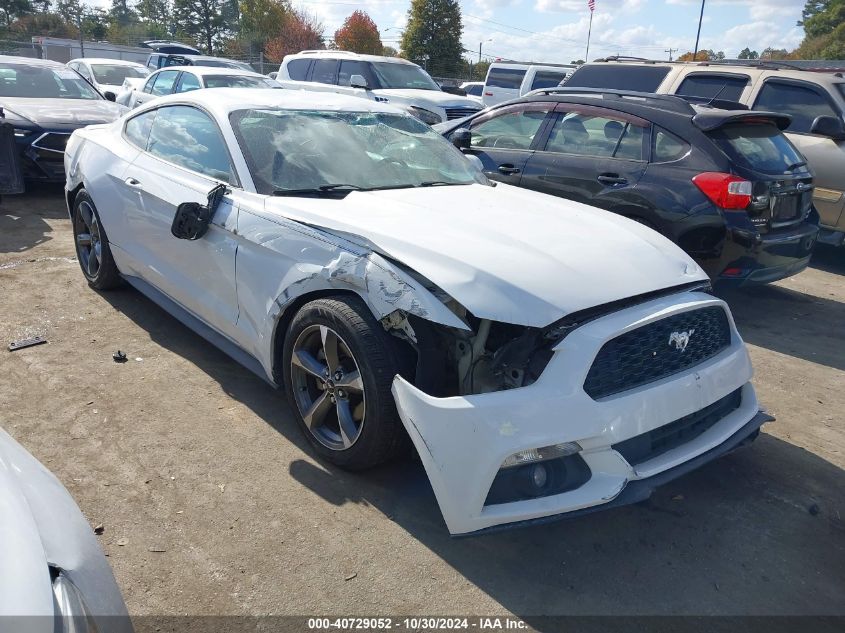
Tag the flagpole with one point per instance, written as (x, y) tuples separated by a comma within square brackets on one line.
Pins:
[(589, 32)]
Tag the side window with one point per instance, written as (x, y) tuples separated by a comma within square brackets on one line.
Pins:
[(592, 135), (475, 90), (547, 79), (513, 129), (298, 69), (505, 78), (712, 86), (188, 82), (164, 82), (152, 61), (325, 71), (349, 67), (667, 147), (189, 138), (802, 102), (148, 85), (138, 128)]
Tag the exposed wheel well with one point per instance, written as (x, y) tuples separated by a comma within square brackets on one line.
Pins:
[(282, 323), (281, 329), (71, 197)]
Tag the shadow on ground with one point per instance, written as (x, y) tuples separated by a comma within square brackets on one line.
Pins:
[(22, 227), (758, 531)]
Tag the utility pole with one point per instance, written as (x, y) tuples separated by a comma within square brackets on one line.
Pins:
[(670, 51), (79, 26), (698, 35), (479, 52)]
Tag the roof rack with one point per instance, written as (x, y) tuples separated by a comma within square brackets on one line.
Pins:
[(669, 102), (757, 63), (626, 58)]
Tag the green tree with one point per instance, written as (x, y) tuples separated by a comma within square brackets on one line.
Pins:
[(824, 30), (41, 6), (95, 23), (200, 20), (261, 20), (154, 15), (69, 10), (577, 62), (121, 14), (359, 34), (432, 38), (747, 53), (389, 51), (11, 10)]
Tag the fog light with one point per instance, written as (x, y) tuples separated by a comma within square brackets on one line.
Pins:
[(545, 453), (539, 476)]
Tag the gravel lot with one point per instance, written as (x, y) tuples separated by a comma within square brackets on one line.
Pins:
[(212, 503)]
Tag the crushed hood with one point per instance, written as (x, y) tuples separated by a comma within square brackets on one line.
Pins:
[(506, 254), (61, 114)]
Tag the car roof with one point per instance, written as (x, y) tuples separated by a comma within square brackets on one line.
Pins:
[(213, 70), (657, 108), (526, 65), (106, 60), (349, 55), (14, 59), (769, 67), (223, 101)]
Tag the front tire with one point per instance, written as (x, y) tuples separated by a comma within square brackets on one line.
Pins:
[(339, 366), (92, 245)]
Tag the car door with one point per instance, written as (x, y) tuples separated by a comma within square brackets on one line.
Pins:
[(805, 101), (185, 158), (589, 154), (159, 84), (505, 138)]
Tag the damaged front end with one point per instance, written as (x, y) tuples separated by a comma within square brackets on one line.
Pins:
[(501, 421)]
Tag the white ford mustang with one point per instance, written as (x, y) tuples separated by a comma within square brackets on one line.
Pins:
[(544, 357)]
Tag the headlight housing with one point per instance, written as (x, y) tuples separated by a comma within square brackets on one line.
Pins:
[(426, 116), (72, 615)]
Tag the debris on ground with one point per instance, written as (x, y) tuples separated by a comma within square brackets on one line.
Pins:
[(351, 576), (122, 541), (27, 342), (119, 357), (814, 509), (99, 529), (157, 549)]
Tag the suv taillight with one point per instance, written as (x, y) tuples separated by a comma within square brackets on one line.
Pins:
[(724, 190)]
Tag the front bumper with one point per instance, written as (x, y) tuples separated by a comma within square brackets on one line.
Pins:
[(462, 441), (42, 156)]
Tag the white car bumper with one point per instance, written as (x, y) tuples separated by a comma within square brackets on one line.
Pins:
[(463, 441)]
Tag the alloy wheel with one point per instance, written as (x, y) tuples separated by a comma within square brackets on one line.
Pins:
[(89, 248), (328, 388)]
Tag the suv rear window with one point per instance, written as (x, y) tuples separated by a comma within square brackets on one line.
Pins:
[(298, 68), (757, 146), (712, 86), (505, 78), (547, 79), (618, 77)]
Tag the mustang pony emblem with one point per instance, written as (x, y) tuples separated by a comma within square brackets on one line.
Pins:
[(680, 339)]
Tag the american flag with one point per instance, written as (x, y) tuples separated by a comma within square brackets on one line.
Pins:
[(592, 5)]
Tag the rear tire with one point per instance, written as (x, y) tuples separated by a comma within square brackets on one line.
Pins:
[(92, 245), (339, 367)]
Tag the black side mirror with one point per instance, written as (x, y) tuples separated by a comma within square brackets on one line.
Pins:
[(462, 138), (829, 126), (192, 218), (109, 95)]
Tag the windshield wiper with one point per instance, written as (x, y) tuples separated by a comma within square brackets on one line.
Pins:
[(796, 165), (439, 183), (322, 189)]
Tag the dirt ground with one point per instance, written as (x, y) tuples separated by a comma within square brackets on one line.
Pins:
[(212, 503)]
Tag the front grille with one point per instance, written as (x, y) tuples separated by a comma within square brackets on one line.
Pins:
[(52, 141), (657, 350), (646, 446), (460, 113)]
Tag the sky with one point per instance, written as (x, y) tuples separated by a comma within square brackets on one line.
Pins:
[(556, 30)]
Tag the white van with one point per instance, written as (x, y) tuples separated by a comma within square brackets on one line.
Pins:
[(509, 80)]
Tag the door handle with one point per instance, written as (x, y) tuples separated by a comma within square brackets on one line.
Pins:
[(612, 179), (508, 169), (132, 182)]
